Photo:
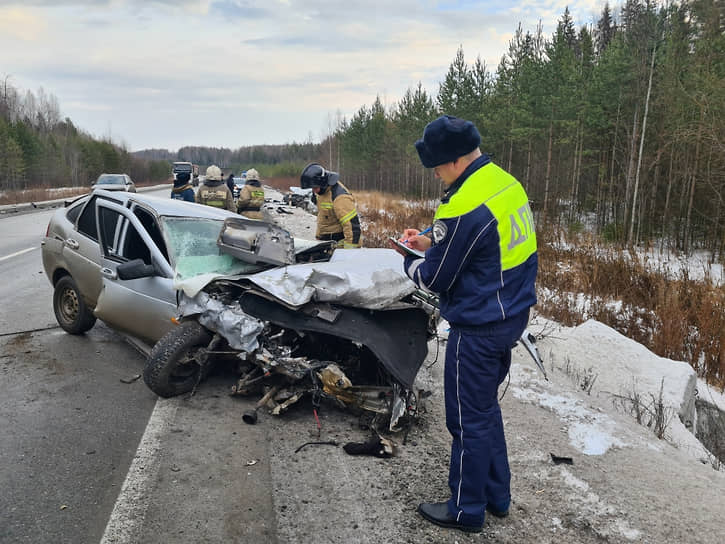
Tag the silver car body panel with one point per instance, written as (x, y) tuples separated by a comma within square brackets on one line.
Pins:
[(142, 307), (370, 278), (120, 301)]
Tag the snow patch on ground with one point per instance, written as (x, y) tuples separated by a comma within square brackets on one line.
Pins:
[(589, 432)]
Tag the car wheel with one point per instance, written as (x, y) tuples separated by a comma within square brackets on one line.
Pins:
[(71, 312), (177, 361)]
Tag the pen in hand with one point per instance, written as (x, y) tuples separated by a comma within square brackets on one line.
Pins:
[(426, 231)]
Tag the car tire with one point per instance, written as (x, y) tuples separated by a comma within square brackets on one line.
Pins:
[(172, 367), (71, 311)]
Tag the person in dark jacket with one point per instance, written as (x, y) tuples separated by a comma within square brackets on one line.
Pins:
[(482, 262), (182, 188), (230, 182)]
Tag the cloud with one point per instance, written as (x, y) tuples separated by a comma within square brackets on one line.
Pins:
[(157, 70), (236, 9), (22, 24)]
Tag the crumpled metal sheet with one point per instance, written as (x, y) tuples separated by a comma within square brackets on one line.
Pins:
[(239, 329), (370, 278)]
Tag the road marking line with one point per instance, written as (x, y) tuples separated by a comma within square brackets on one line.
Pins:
[(17, 253), (128, 514)]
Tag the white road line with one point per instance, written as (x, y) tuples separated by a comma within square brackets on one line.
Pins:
[(128, 514), (17, 253)]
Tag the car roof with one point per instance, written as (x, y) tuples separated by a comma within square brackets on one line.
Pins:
[(168, 207)]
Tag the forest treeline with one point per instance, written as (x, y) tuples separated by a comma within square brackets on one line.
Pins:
[(619, 125), (39, 149)]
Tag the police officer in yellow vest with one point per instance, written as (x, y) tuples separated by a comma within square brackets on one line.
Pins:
[(482, 261), (214, 192), (251, 197), (337, 217)]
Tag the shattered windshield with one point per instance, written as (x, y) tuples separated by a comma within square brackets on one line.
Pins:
[(193, 248)]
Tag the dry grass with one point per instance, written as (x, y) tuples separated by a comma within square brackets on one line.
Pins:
[(384, 215), (681, 318), (40, 195)]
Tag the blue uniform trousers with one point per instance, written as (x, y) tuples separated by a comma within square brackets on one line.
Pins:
[(477, 361)]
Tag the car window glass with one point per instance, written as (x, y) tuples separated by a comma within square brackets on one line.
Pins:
[(193, 248), (73, 212), (87, 220), (120, 239), (112, 224), (152, 227), (134, 247), (111, 180)]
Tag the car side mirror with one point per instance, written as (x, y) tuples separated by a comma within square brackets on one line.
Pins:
[(135, 269)]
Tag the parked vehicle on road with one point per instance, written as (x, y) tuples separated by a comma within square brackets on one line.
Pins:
[(238, 184), (115, 182), (189, 168)]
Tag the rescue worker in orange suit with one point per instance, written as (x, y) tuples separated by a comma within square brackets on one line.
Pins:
[(214, 192), (337, 217), (482, 261), (251, 197)]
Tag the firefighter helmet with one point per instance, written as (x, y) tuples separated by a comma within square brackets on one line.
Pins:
[(314, 175), (213, 173)]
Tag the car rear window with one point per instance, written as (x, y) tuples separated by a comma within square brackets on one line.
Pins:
[(111, 180)]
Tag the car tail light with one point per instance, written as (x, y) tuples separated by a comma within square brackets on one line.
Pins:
[(47, 230)]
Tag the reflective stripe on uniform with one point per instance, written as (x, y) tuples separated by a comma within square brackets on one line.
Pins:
[(348, 217), (500, 192)]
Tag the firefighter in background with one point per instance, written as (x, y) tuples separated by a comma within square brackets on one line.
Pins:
[(214, 192), (337, 217), (251, 197), (182, 188)]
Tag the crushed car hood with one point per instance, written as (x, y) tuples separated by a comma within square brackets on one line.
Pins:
[(369, 278)]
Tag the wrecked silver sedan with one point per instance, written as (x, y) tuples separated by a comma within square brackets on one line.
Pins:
[(346, 325)]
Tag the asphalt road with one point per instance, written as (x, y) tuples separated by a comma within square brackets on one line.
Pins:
[(88, 457)]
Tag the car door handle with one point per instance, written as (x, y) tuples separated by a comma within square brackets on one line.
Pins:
[(108, 273), (71, 243)]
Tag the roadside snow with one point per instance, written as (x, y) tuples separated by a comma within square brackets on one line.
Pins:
[(605, 364)]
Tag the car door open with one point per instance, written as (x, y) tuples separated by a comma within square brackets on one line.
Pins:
[(144, 304)]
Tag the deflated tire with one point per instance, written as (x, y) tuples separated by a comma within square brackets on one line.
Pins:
[(176, 362)]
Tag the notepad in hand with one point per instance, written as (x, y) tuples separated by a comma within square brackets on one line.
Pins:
[(409, 250)]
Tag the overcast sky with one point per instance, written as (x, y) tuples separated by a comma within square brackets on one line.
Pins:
[(229, 73)]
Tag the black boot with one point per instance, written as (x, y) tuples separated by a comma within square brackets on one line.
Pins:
[(437, 512)]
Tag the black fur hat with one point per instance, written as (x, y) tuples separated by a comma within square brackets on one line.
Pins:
[(446, 139)]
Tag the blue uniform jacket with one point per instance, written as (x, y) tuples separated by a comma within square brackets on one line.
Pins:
[(184, 192), (483, 260)]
